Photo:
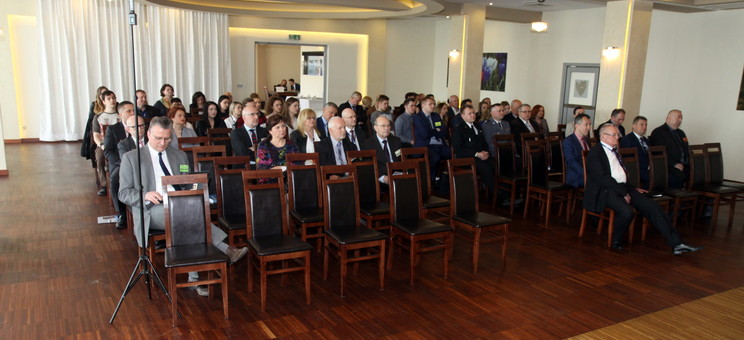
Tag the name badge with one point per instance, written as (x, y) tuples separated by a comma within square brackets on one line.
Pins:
[(183, 168), (397, 153), (438, 124)]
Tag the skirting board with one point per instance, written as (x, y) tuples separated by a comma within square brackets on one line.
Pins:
[(4, 173)]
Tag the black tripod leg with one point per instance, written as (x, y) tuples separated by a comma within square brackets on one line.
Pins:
[(159, 283), (132, 281)]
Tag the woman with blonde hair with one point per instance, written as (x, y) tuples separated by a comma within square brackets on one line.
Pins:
[(96, 107), (306, 134), (236, 109)]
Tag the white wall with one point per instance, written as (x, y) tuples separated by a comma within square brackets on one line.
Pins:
[(442, 46), (410, 58), (515, 40), (695, 64)]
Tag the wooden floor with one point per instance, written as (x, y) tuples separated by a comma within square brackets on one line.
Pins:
[(61, 275)]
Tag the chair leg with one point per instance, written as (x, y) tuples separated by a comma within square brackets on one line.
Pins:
[(174, 295), (263, 285), (448, 246), (307, 277), (716, 205), (250, 271), (210, 287), (381, 265), (732, 208), (325, 259), (526, 203), (476, 249), (390, 250), (412, 250), (503, 247), (547, 209), (224, 290), (342, 258), (583, 223)]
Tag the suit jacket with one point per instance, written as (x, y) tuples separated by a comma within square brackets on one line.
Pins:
[(360, 135), (148, 112), (619, 127), (127, 145), (327, 153), (295, 87), (676, 153), (517, 129), (509, 117), (599, 182), (321, 126), (424, 131), (394, 145), (241, 141), (491, 128), (361, 114), (466, 143), (129, 192), (114, 134), (202, 126), (572, 151), (631, 141)]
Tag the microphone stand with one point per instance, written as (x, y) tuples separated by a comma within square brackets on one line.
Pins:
[(144, 265)]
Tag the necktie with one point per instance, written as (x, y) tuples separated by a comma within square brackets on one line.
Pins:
[(619, 159), (529, 127), (501, 128), (340, 154), (141, 143), (475, 131), (386, 150), (353, 136), (644, 143), (162, 164), (254, 139), (584, 145)]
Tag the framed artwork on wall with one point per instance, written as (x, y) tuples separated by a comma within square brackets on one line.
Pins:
[(493, 72)]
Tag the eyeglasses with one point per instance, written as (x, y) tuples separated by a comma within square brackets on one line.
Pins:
[(136, 126), (250, 114), (612, 134), (161, 139)]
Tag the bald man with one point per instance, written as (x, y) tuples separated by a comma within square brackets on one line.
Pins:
[(332, 150), (674, 140)]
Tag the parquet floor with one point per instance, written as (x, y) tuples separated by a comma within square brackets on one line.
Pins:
[(61, 275)]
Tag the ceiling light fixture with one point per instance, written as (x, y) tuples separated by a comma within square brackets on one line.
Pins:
[(539, 26)]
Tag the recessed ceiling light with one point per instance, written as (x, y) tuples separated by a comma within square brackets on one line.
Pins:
[(447, 17), (490, 4)]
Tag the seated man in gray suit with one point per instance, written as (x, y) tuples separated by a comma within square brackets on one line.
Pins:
[(496, 125), (158, 160)]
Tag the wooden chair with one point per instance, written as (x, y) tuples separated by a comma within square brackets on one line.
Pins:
[(187, 144), (464, 211), (630, 160), (561, 130), (539, 188), (220, 136), (714, 155), (658, 183), (700, 182), (204, 162), (266, 228), (230, 198), (430, 204), (305, 198), (343, 233), (507, 178), (409, 221), (554, 151), (524, 137), (371, 209), (188, 239)]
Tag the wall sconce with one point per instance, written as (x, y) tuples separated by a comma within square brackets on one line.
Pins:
[(454, 53), (539, 26), (2, 34), (611, 52)]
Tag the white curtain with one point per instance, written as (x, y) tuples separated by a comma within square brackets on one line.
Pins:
[(86, 44)]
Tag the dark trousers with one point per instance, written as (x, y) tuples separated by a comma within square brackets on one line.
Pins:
[(121, 208), (648, 208), (437, 153), (486, 170)]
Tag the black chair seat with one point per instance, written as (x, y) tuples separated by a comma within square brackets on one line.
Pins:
[(197, 254), (277, 245), (716, 189), (377, 208), (355, 235), (679, 193), (155, 232), (554, 186), (233, 222), (307, 215), (435, 202), (513, 178), (480, 219), (212, 206), (737, 186), (420, 227)]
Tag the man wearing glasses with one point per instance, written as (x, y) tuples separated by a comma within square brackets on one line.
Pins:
[(607, 187), (245, 139), (520, 125)]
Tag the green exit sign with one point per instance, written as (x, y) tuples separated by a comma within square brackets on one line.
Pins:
[(294, 37)]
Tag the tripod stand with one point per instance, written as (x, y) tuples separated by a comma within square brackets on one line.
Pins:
[(144, 265)]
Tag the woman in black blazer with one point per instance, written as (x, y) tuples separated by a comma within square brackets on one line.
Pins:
[(306, 134)]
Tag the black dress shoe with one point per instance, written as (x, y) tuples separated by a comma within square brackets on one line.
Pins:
[(122, 223), (684, 248), (617, 246), (101, 192)]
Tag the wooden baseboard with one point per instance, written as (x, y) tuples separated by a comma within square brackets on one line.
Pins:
[(12, 141), (35, 140), (30, 140), (4, 173)]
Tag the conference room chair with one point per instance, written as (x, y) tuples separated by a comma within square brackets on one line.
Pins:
[(682, 199), (431, 204), (539, 187), (188, 239), (272, 250), (220, 136), (374, 212), (632, 166), (230, 198), (715, 193), (411, 229), (305, 197), (507, 177), (345, 238), (465, 213)]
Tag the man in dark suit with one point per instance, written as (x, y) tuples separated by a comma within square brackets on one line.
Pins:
[(353, 104), (454, 107), (354, 134), (573, 147), (332, 150), (245, 139), (430, 133), (386, 145), (514, 110), (495, 126), (293, 87), (114, 134), (617, 117), (637, 139), (607, 187), (677, 148), (520, 125), (329, 111), (128, 144), (468, 141), (143, 109)]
